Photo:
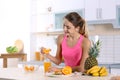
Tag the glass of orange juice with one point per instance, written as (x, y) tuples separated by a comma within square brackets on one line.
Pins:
[(47, 64), (37, 56)]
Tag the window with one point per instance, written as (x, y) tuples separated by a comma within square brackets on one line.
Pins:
[(59, 18)]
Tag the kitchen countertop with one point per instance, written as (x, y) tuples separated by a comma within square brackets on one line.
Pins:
[(40, 63), (20, 74), (110, 66)]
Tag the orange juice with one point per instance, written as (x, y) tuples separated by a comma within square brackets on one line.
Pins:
[(41, 57), (37, 56), (46, 66)]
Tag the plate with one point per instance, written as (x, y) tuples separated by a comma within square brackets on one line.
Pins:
[(51, 74)]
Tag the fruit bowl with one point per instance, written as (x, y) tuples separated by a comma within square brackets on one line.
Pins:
[(30, 68)]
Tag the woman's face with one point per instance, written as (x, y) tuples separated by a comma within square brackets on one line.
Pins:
[(68, 27)]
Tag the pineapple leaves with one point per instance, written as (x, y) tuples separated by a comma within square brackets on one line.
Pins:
[(93, 53), (95, 49)]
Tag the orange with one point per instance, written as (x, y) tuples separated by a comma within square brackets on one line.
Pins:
[(46, 51), (31, 68), (67, 70), (26, 68)]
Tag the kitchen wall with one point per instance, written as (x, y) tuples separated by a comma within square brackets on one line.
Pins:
[(109, 36), (103, 29), (15, 22)]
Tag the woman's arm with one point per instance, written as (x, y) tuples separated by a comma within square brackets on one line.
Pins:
[(85, 48), (58, 58)]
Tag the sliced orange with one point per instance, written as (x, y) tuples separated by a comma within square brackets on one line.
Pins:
[(67, 70), (31, 68), (26, 68), (46, 51)]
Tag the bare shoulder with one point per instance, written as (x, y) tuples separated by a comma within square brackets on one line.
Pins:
[(60, 38), (86, 42)]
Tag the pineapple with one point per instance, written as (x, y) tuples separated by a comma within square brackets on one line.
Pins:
[(93, 54)]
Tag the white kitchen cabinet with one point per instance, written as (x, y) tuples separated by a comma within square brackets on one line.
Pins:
[(117, 13), (66, 5), (42, 23), (59, 18), (42, 16), (117, 2), (108, 9), (63, 7), (41, 6), (91, 9), (44, 12), (100, 10), (118, 16)]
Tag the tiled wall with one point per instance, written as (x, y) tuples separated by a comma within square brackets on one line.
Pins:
[(110, 37)]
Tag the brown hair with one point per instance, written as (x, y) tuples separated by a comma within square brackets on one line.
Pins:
[(78, 21)]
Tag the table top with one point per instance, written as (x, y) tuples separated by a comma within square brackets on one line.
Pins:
[(20, 74), (6, 54), (2, 55)]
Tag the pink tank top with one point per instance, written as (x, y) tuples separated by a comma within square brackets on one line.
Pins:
[(72, 55)]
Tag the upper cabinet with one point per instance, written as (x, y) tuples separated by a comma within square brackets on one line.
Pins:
[(42, 16), (67, 5), (118, 16), (100, 10), (59, 18), (108, 9), (47, 15), (91, 9), (117, 2), (63, 7), (45, 12)]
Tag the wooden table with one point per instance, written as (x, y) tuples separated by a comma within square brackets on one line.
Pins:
[(5, 56)]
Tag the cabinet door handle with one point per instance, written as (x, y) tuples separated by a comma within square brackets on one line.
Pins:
[(97, 13), (100, 13)]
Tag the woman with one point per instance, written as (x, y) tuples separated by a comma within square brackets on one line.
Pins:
[(115, 78), (73, 45)]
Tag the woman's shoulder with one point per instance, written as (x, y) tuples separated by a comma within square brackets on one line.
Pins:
[(60, 38), (86, 41)]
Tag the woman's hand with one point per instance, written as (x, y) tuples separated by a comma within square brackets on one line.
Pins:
[(115, 78), (54, 69), (42, 50), (45, 50)]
